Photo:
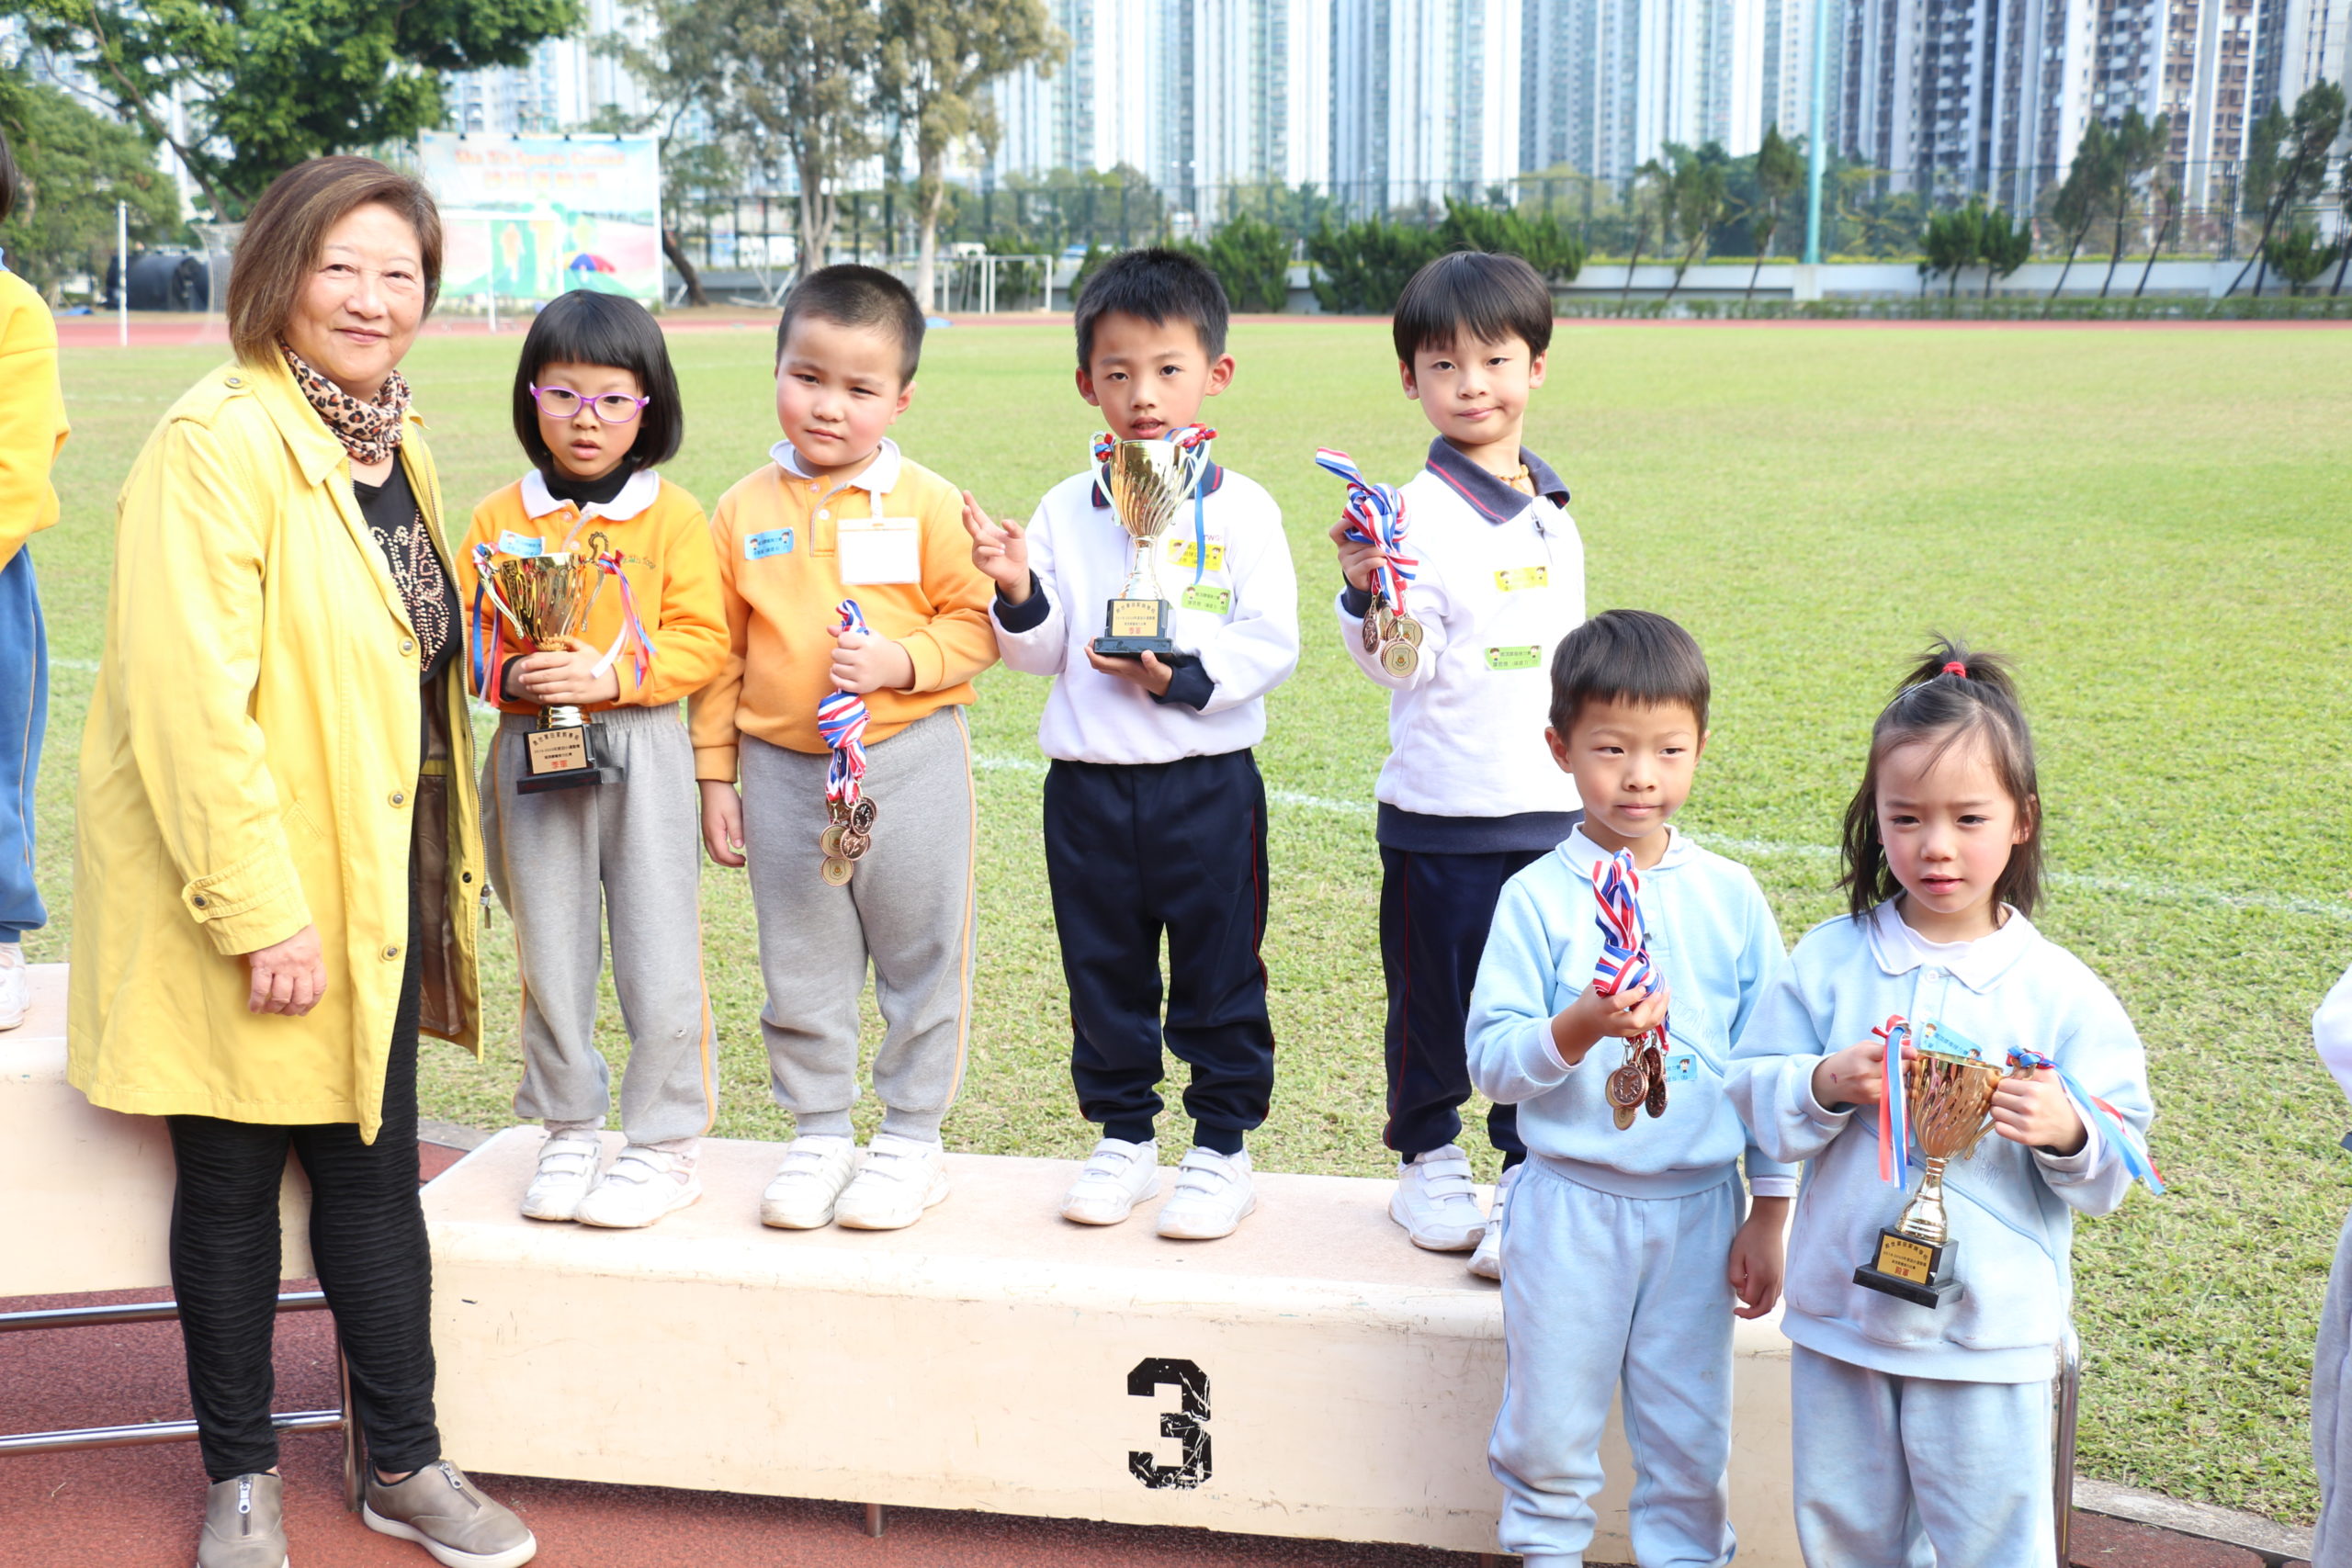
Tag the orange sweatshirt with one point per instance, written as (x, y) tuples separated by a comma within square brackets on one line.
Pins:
[(665, 544), (782, 561)]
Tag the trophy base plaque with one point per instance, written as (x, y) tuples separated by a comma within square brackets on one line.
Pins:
[(1134, 627), (564, 757), (1911, 1270)]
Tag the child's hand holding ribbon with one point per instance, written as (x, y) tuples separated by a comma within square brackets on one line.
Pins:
[(2034, 1110)]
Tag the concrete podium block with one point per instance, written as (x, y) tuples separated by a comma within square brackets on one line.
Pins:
[(89, 1191), (1313, 1375)]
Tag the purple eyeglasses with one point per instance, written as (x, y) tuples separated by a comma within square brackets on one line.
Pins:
[(562, 403)]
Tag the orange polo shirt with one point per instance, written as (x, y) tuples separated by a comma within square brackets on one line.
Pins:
[(781, 565), (665, 549)]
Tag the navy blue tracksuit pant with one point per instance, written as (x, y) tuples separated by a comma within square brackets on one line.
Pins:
[(1133, 849), (1434, 911)]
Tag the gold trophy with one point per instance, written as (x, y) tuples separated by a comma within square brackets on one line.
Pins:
[(1149, 480), (546, 599), (1950, 1102)]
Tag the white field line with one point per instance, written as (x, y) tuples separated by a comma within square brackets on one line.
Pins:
[(1766, 849)]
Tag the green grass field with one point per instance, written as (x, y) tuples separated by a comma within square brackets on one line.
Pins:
[(2151, 522)]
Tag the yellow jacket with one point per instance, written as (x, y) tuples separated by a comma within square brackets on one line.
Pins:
[(778, 536), (253, 764), (666, 556), (32, 414)]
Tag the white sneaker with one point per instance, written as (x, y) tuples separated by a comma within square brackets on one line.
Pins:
[(1437, 1203), (806, 1184), (643, 1185), (1117, 1175), (567, 1170), (899, 1179), (1487, 1261), (16, 986), (1211, 1198)]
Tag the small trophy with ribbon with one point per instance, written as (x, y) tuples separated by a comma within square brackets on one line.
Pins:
[(1148, 481), (1939, 1101), (1624, 964), (545, 600), (1376, 515), (849, 814)]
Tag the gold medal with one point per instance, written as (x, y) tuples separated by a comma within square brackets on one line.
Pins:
[(837, 871), (1622, 1115), (1400, 659), (1408, 629), (829, 843)]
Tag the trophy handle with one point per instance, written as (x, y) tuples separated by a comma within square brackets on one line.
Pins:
[(490, 586)]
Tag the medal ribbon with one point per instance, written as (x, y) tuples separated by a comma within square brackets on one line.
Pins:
[(1375, 514), (489, 641), (2127, 1139), (1894, 1107), (840, 721), (632, 630), (1624, 960)]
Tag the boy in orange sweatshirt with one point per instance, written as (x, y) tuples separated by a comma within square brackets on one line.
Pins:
[(595, 409), (856, 624)]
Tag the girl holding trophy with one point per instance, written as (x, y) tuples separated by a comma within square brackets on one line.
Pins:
[(1925, 1334), (594, 608)]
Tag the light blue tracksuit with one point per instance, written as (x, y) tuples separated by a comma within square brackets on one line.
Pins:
[(1922, 1434), (1616, 1244)]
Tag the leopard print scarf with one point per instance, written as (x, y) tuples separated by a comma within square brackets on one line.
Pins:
[(369, 432)]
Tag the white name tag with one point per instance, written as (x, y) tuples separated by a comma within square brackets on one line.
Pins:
[(509, 543), (874, 550)]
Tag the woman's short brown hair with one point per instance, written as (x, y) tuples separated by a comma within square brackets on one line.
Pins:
[(287, 231)]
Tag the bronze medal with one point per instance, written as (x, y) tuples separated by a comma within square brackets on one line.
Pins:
[(1628, 1086), (837, 871), (829, 843), (1371, 622), (1654, 1070), (1622, 1115), (862, 814), (1400, 657), (854, 845)]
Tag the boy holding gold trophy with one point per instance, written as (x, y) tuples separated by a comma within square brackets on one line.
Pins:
[(1155, 814), (1926, 1310)]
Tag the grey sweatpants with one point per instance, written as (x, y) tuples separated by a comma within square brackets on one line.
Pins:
[(564, 863), (907, 911), (2332, 1414)]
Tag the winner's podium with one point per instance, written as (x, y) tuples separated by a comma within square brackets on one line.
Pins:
[(1312, 1375)]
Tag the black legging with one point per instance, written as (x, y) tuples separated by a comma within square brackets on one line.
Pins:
[(366, 1238)]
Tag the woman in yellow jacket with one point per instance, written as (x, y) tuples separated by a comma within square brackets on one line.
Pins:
[(279, 852), (32, 427)]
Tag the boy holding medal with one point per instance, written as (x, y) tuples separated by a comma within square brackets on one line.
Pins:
[(1490, 573), (1622, 969), (1155, 817), (857, 625)]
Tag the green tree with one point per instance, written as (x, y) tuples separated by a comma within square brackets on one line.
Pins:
[(2292, 158), (1953, 245), (938, 58), (2076, 206), (1651, 196), (1251, 258), (2167, 192), (2137, 144), (1780, 169), (1542, 241), (2297, 255), (263, 87), (2003, 243), (1361, 268), (1695, 192), (75, 165), (2343, 230)]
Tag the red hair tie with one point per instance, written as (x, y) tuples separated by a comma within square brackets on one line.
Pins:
[(1957, 668)]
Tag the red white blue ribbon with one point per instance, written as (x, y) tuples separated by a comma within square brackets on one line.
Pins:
[(632, 631), (489, 640), (840, 721), (1376, 515), (2126, 1137), (1625, 941), (1893, 1105)]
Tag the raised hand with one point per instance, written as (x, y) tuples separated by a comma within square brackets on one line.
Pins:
[(1000, 550)]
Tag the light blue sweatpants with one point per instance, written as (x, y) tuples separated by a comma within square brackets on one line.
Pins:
[(1600, 1289), (2332, 1414), (1918, 1473)]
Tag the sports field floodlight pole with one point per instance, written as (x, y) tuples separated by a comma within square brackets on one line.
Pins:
[(123, 272), (1816, 154)]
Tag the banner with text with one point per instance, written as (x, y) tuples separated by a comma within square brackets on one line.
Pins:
[(532, 217)]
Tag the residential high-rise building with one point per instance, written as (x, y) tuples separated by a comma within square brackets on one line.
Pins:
[(1608, 83), (564, 85), (1425, 98)]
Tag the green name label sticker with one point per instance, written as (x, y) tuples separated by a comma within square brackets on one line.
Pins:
[(1208, 596), (1515, 657)]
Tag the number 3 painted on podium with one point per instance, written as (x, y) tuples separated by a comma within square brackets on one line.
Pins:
[(1188, 1426)]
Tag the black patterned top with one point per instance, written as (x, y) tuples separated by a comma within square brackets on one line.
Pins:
[(406, 539)]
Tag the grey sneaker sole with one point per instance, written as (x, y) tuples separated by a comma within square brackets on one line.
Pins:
[(513, 1557)]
